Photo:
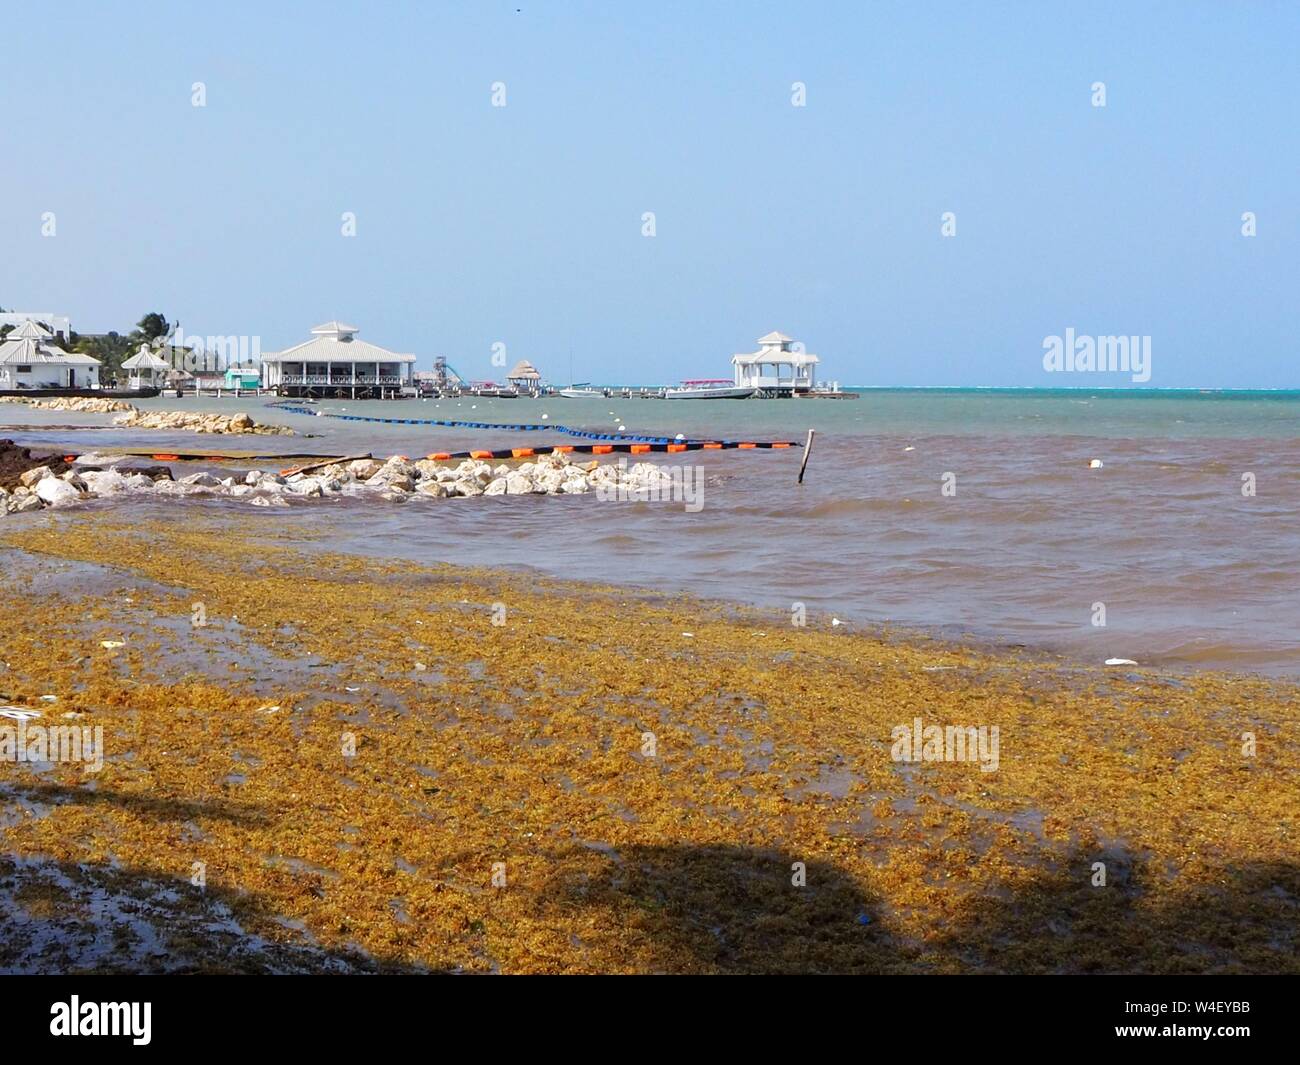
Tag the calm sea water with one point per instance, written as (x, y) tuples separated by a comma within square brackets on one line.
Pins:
[(1191, 571)]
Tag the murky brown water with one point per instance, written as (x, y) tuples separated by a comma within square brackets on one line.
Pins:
[(1191, 571)]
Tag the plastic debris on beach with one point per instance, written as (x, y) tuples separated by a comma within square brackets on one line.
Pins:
[(18, 713), (1120, 662)]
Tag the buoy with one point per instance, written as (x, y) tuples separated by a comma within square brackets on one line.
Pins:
[(1094, 464)]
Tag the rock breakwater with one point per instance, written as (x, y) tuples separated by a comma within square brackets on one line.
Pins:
[(397, 480)]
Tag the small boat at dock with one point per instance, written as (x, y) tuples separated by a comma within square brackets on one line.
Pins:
[(709, 388)]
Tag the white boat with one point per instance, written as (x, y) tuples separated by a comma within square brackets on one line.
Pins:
[(712, 388), (580, 392)]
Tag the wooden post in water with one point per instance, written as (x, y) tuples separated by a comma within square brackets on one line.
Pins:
[(807, 450)]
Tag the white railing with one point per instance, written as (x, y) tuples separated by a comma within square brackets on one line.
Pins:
[(325, 379)]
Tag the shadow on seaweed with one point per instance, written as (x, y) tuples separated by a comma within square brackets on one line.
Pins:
[(723, 909), (65, 917), (1246, 920), (141, 804), (676, 909), (735, 910)]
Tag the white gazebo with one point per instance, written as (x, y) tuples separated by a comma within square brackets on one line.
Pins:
[(147, 369), (777, 368), (335, 363), (30, 359)]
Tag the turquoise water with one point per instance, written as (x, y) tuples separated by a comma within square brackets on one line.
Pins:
[(1192, 571)]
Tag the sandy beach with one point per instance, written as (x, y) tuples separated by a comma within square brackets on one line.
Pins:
[(323, 762)]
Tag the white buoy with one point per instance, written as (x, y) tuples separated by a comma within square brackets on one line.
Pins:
[(1094, 464)]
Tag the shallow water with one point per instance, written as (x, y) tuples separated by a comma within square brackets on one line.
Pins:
[(1191, 571)]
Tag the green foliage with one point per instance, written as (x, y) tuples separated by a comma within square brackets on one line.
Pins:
[(111, 350), (153, 326)]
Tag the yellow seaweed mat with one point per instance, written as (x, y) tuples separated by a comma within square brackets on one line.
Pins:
[(552, 777)]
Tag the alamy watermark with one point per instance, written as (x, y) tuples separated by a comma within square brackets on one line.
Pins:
[(1074, 353), (919, 742), (46, 744), (207, 354), (650, 483)]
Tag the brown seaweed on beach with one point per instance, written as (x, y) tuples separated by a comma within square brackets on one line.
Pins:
[(398, 782)]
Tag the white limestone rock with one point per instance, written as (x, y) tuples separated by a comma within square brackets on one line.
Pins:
[(105, 482), (56, 492), (519, 483)]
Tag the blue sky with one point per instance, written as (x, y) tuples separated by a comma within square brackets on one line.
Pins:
[(523, 225)]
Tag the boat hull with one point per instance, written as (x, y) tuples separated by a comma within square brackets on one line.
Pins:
[(709, 393)]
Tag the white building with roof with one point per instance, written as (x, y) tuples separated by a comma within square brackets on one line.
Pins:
[(58, 324), (335, 363), (29, 359), (147, 369), (780, 366)]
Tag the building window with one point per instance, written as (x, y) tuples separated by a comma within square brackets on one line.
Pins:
[(24, 369)]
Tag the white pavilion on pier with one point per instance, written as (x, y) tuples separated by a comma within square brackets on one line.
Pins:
[(777, 368), (335, 363)]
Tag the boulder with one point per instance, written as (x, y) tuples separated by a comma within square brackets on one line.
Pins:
[(308, 486), (20, 504), (104, 482), (549, 480), (432, 488), (466, 486), (56, 492), (203, 480), (363, 469), (519, 483), (37, 473), (496, 487)]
